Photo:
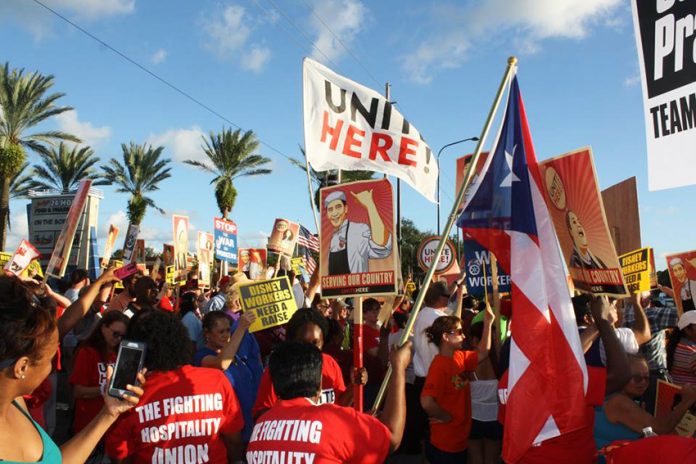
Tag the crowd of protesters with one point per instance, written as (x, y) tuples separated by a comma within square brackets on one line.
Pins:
[(211, 391)]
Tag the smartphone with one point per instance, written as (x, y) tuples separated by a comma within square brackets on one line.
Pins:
[(125, 271), (129, 362)]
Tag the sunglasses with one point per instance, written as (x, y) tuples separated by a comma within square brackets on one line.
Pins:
[(640, 377), (456, 332)]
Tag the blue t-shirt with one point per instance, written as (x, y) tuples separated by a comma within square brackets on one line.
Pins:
[(244, 374)]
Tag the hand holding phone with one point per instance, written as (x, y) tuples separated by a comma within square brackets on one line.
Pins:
[(131, 356)]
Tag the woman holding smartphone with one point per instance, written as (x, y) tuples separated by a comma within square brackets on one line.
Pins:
[(93, 356), (28, 342)]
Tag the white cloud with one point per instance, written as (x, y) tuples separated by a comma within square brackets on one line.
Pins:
[(180, 144), (257, 239), (255, 59), (632, 80), (38, 21), (89, 134), (159, 56), (525, 22), (119, 219), (345, 18), (228, 31), (20, 226)]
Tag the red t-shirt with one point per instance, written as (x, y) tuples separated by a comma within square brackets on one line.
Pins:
[(664, 449), (370, 338), (448, 384), (180, 418), (576, 447), (89, 370), (331, 384), (298, 431)]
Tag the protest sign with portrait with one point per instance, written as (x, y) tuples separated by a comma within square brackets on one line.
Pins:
[(271, 300), (357, 239), (204, 253), (283, 237), (130, 243), (682, 274), (462, 164), (575, 204), (181, 243), (252, 261)]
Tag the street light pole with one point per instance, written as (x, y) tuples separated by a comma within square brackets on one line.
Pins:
[(470, 139)]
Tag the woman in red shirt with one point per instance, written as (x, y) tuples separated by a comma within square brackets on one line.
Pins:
[(446, 396), (91, 359)]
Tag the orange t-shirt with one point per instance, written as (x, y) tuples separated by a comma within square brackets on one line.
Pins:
[(448, 384)]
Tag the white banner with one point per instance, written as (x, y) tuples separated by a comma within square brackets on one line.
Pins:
[(349, 126), (665, 35)]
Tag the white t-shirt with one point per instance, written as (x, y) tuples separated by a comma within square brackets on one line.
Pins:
[(424, 351), (627, 339)]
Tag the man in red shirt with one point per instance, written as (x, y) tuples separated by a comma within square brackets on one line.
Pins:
[(309, 326), (299, 430)]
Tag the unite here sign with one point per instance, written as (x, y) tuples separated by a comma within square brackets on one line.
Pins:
[(225, 240), (351, 127), (665, 33)]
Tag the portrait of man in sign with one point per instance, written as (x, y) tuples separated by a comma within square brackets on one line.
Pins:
[(353, 243)]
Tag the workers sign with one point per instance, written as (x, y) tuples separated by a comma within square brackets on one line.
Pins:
[(665, 36), (226, 240), (349, 126), (636, 270), (271, 300)]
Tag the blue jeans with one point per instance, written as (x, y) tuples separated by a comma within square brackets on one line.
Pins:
[(437, 456)]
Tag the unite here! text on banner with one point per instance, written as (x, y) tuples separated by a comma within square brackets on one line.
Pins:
[(351, 127), (225, 240), (665, 33)]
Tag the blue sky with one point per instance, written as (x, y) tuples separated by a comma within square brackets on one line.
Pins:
[(578, 71)]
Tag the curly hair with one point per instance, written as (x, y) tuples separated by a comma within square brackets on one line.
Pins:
[(295, 370), (168, 345), (210, 319), (306, 316), (441, 325), (25, 325)]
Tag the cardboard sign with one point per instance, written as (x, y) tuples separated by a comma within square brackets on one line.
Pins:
[(667, 397), (24, 255), (253, 262), (682, 273), (204, 252), (478, 271), (462, 164), (571, 192), (109, 245), (225, 240), (272, 301), (283, 237), (180, 226), (167, 255), (61, 252), (636, 270), (357, 239), (139, 251), (349, 126), (130, 243), (426, 251), (170, 275), (664, 33)]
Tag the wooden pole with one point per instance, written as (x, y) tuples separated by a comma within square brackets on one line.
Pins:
[(358, 350)]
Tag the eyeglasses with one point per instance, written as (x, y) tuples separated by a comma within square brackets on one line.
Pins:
[(456, 332), (640, 377)]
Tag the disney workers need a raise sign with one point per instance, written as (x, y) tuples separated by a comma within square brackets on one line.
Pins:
[(272, 301)]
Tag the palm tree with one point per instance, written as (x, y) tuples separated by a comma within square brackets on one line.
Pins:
[(24, 103), (323, 179), (141, 172), (231, 156), (64, 168)]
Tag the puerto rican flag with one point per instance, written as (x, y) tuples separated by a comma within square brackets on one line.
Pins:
[(505, 212)]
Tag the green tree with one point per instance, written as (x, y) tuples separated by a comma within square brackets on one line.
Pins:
[(63, 168), (321, 179), (24, 104), (140, 173), (230, 155), (411, 238)]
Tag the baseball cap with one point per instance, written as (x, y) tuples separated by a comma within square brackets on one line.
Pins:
[(686, 320)]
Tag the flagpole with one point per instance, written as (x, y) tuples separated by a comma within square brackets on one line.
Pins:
[(509, 71), (311, 194)]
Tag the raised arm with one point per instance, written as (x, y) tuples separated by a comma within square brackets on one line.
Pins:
[(484, 346), (394, 412), (77, 310), (618, 370), (223, 359), (641, 327)]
